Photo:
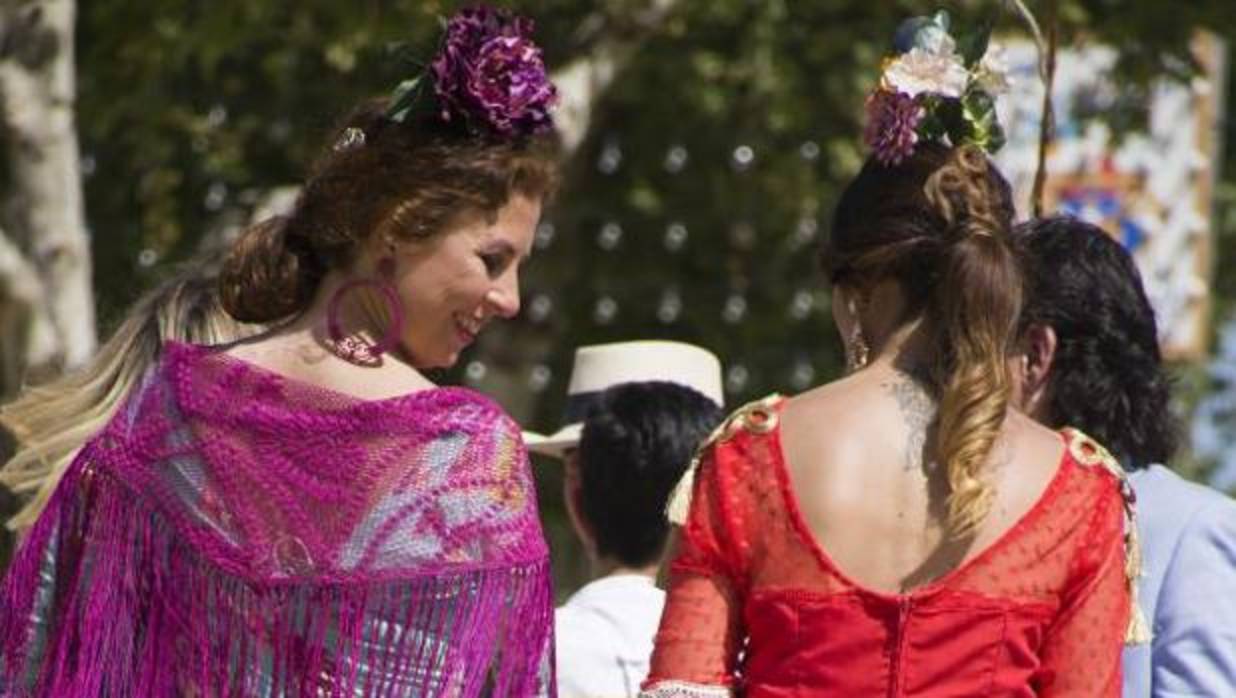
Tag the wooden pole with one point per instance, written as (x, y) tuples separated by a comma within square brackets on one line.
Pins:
[(1047, 124)]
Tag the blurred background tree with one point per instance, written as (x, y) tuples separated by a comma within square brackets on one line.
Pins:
[(694, 199), (46, 297)]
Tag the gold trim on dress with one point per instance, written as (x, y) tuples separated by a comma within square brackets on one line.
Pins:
[(757, 417), (1090, 453)]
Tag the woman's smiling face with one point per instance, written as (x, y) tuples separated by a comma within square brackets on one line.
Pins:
[(453, 284)]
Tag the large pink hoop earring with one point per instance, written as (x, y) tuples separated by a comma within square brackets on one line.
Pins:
[(352, 348)]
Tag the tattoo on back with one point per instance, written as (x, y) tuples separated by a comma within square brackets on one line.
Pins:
[(918, 407)]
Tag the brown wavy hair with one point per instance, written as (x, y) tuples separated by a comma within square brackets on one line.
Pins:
[(411, 180), (940, 224)]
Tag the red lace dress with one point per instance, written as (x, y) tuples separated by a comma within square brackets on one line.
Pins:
[(757, 608)]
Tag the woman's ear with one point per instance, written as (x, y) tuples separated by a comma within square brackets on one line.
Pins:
[(858, 297)]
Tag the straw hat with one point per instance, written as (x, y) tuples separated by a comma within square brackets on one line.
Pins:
[(602, 366)]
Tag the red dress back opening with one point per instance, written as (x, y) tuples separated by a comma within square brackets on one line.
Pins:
[(756, 606)]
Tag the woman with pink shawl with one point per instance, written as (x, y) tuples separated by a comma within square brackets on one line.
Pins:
[(305, 514)]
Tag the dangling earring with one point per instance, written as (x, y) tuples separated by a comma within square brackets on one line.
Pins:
[(857, 352), (352, 348)]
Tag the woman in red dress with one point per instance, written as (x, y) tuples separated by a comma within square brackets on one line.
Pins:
[(903, 531)]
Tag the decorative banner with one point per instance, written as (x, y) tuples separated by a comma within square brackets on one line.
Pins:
[(1151, 189)]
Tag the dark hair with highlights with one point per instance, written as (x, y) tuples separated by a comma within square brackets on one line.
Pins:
[(939, 224), (411, 180), (635, 446), (1107, 377)]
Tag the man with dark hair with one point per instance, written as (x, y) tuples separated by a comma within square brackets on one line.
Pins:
[(1091, 360), (636, 413)]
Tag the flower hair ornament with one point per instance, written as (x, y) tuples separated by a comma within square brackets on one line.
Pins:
[(487, 75), (936, 88)]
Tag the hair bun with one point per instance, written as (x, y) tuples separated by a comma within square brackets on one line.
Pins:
[(963, 192), (263, 278)]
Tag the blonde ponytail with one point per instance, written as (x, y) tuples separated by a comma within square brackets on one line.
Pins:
[(974, 307)]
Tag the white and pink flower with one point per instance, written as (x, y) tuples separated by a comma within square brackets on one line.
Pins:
[(919, 71), (992, 73)]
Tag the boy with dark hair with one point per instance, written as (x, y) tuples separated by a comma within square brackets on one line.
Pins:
[(636, 413), (636, 445), (1091, 361)]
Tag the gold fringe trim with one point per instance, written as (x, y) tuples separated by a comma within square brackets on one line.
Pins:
[(1087, 451), (680, 499), (1138, 632), (758, 417)]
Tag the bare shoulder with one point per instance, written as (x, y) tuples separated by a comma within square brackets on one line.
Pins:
[(1029, 454), (1029, 435), (803, 412), (829, 399), (816, 423)]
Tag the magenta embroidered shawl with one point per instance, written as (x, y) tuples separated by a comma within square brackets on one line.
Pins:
[(236, 533)]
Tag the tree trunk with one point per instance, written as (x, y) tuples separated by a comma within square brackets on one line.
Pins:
[(45, 279), (29, 338), (583, 81)]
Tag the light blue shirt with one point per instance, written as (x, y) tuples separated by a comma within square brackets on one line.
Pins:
[(1187, 591)]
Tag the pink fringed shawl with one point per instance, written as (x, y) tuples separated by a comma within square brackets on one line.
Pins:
[(236, 533)]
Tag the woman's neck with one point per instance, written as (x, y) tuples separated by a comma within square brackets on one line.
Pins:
[(906, 347), (360, 318), (302, 348)]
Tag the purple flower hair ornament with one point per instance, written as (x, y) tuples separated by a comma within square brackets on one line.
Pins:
[(488, 74), (893, 119)]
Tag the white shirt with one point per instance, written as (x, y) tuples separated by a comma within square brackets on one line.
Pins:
[(604, 636)]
